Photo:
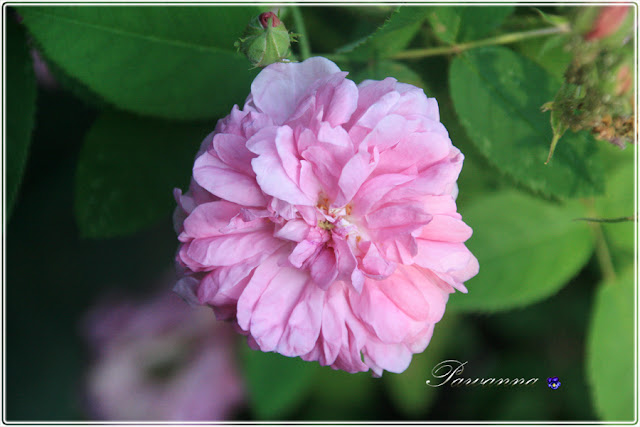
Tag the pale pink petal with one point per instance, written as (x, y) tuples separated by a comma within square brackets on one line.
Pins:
[(287, 316), (444, 228), (391, 357), (296, 231), (232, 151), (271, 173), (228, 249), (217, 178), (324, 269), (279, 88), (213, 219), (354, 174)]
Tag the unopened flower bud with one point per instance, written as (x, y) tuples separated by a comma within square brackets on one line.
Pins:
[(265, 40), (269, 17), (608, 21)]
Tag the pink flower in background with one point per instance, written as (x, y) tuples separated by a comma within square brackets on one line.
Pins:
[(160, 360), (321, 219)]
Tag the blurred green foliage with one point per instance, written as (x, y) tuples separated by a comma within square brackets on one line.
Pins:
[(127, 170), (610, 349), (157, 63), (21, 102)]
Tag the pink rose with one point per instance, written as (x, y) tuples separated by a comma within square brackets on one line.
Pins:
[(320, 219), (160, 360)]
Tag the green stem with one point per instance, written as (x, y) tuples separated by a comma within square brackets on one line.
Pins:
[(602, 249), (457, 48), (305, 49)]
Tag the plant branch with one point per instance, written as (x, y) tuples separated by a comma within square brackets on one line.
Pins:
[(458, 48)]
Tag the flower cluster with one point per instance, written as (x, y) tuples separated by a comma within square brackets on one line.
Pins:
[(321, 219), (157, 360)]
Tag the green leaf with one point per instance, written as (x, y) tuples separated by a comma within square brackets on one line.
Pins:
[(466, 23), (613, 157), (338, 395), (527, 249), (21, 107), (172, 62), (610, 349), (548, 52), (497, 95), (408, 390), (277, 384), (379, 70), (477, 177), (392, 37), (127, 170), (618, 202)]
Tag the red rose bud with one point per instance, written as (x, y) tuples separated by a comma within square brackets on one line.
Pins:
[(607, 22), (264, 44), (264, 19)]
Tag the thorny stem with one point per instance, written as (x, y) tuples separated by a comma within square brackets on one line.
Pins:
[(602, 250), (305, 49), (457, 48)]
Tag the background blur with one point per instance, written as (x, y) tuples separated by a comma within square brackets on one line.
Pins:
[(58, 266)]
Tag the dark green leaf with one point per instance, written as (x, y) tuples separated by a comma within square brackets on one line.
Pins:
[(127, 170), (21, 107), (408, 390), (618, 202), (338, 395), (380, 70), (497, 95), (277, 384), (465, 23), (394, 35), (610, 349), (527, 249), (173, 62)]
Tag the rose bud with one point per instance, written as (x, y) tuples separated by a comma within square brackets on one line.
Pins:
[(608, 21), (265, 40)]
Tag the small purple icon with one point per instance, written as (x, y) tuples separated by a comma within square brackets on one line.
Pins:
[(553, 382)]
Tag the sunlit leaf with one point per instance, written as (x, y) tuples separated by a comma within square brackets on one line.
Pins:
[(610, 349), (497, 95), (527, 248), (174, 62), (393, 36), (464, 23), (617, 202)]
